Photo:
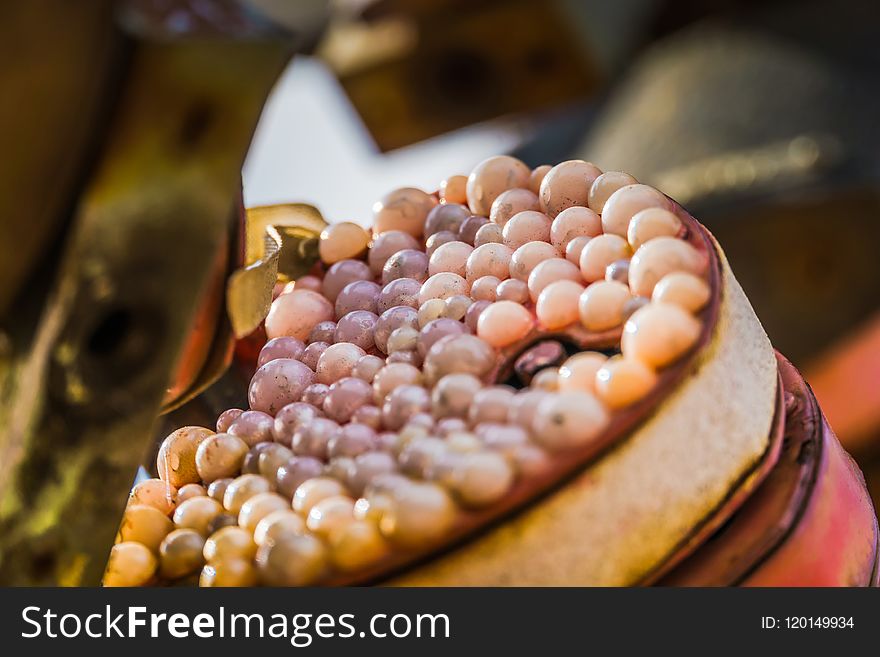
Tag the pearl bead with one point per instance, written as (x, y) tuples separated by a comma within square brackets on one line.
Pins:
[(490, 404), (472, 316), (485, 288), (512, 202), (489, 234), (230, 415), (337, 362), (457, 307), (292, 559), (402, 404), (450, 257), (219, 456), (391, 319), (402, 339), (600, 252), (567, 184), (283, 520), (623, 204), (230, 543), (419, 514), (278, 383), (330, 514), (524, 227), (623, 381), (243, 488), (550, 271), (156, 493), (409, 263), (393, 375), (446, 217), (569, 419), (146, 525), (307, 282), (512, 290), (439, 239), (442, 286), (461, 353), (432, 309), (659, 257), (358, 295), (296, 313), (453, 395), (482, 478), (357, 327), (386, 245), (357, 545), (601, 305), (176, 460), (618, 271), (322, 332), (575, 248), (346, 396), (469, 229), (574, 222), (683, 289), (312, 491), (341, 241), (659, 334), (651, 223), (529, 256), (180, 554), (313, 438), (312, 353), (489, 260), (546, 379), (537, 177), (341, 274), (454, 189), (557, 305), (296, 471), (403, 209), (400, 292), (283, 347), (130, 564), (503, 323), (491, 177), (197, 513), (605, 185), (524, 407), (579, 371)]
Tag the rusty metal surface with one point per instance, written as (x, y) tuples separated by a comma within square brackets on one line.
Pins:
[(81, 387)]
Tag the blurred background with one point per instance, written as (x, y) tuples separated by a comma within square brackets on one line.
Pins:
[(122, 185)]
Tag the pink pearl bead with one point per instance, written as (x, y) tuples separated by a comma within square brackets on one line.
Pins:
[(527, 226), (574, 222), (623, 204), (391, 376), (503, 323), (569, 419), (549, 271), (346, 396), (295, 314), (439, 239), (683, 289), (600, 252), (337, 361), (575, 248), (392, 319), (312, 353), (601, 305), (557, 305), (537, 177), (472, 316), (605, 185), (283, 347), (469, 229), (443, 286), (323, 332), (623, 381), (454, 189), (446, 217), (659, 257), (485, 288), (579, 371), (651, 223), (489, 260), (567, 184), (460, 353), (226, 418), (409, 263), (386, 245), (341, 241), (308, 282), (357, 327), (367, 367), (436, 330), (278, 383), (450, 257), (512, 202), (491, 177), (659, 334), (491, 404), (400, 292), (403, 209), (489, 234), (528, 256), (341, 274), (513, 290)]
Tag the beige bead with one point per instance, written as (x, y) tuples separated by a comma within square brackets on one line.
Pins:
[(623, 381), (489, 260), (430, 310), (524, 260), (176, 460), (419, 515), (296, 314), (451, 257), (403, 209), (258, 507), (330, 515), (145, 525), (443, 285), (489, 234), (525, 227), (243, 488), (537, 177), (491, 177), (313, 490), (659, 257), (180, 554), (229, 543), (393, 375), (237, 573), (197, 513), (191, 490), (683, 289), (341, 241), (567, 420), (337, 362), (546, 380), (503, 323), (292, 560), (579, 372), (454, 190), (571, 223), (605, 185), (155, 493), (557, 305), (130, 564), (550, 271), (485, 288), (512, 290), (512, 202), (659, 334), (575, 248), (567, 184), (357, 545), (601, 305), (282, 520), (600, 252), (623, 204), (651, 223), (482, 478), (220, 456)]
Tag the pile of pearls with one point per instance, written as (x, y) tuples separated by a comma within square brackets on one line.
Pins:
[(373, 424)]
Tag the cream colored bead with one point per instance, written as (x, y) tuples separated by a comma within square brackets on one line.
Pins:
[(491, 177), (229, 543), (342, 241), (623, 381), (312, 491), (258, 507), (623, 204), (537, 177), (569, 419), (557, 305), (525, 227), (512, 202), (658, 334), (601, 305), (571, 223), (529, 256), (503, 323), (454, 190), (145, 525), (442, 286), (330, 514), (579, 371), (130, 564), (451, 257), (659, 257), (683, 289), (651, 223), (567, 184), (489, 260), (357, 545), (605, 185), (550, 271), (282, 520), (600, 252), (403, 209)]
